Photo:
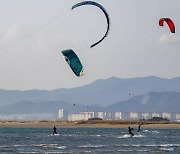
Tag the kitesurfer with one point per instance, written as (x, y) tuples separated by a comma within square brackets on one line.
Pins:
[(139, 127), (54, 130), (130, 131)]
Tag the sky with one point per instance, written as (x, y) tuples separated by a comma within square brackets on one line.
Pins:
[(34, 32)]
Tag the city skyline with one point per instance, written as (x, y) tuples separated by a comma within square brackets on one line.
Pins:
[(63, 115)]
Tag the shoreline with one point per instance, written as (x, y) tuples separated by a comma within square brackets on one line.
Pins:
[(87, 124)]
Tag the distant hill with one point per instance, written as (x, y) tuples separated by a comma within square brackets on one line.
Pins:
[(27, 107), (102, 91), (150, 102)]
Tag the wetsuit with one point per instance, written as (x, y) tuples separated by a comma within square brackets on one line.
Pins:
[(139, 127), (130, 131), (54, 130)]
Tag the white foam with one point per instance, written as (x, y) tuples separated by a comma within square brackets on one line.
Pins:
[(132, 150), (139, 135), (125, 150), (54, 135), (47, 145), (16, 145), (3, 146), (155, 132), (91, 146), (86, 151), (149, 131), (125, 136), (151, 145), (167, 149), (136, 145), (98, 135), (62, 147), (170, 145), (128, 136), (28, 152), (146, 130)]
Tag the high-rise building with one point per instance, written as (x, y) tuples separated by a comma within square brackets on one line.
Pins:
[(100, 115), (134, 115), (118, 115), (80, 116), (62, 114), (177, 117), (155, 115), (166, 115), (145, 115)]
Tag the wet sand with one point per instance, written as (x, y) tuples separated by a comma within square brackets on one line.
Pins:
[(87, 124)]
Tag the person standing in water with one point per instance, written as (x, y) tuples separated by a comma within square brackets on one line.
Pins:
[(139, 127), (54, 130), (130, 131)]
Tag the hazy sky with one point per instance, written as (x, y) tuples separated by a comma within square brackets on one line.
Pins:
[(34, 32)]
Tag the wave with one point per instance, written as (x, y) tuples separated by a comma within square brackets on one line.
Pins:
[(129, 136), (54, 135), (150, 131), (170, 145), (91, 146), (62, 147), (132, 150), (167, 149), (33, 152)]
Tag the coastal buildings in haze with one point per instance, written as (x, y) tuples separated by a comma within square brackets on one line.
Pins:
[(64, 116), (124, 116)]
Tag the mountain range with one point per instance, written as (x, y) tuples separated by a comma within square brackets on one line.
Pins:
[(102, 92), (112, 94), (150, 102)]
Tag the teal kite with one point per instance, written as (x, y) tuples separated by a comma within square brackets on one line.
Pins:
[(73, 61)]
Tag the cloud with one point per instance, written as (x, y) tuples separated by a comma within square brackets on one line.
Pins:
[(11, 33), (169, 39)]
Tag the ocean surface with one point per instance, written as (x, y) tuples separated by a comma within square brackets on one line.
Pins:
[(89, 140)]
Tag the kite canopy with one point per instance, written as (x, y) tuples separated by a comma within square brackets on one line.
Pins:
[(73, 61), (104, 11), (169, 22)]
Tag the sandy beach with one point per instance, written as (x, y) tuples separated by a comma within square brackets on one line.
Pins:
[(87, 124)]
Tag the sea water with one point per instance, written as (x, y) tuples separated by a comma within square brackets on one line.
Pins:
[(89, 140)]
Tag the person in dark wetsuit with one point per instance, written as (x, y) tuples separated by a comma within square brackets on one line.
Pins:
[(139, 127), (54, 130), (130, 131)]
